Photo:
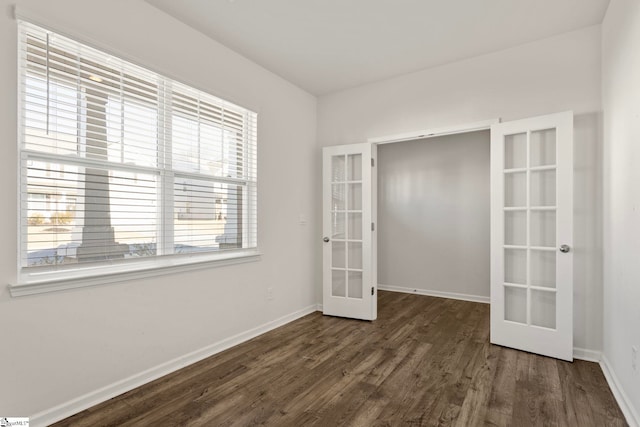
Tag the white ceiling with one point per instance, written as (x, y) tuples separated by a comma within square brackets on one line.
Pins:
[(325, 46)]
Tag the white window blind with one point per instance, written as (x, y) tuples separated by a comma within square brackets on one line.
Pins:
[(121, 164)]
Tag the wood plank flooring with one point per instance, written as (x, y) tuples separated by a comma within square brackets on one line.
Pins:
[(425, 362)]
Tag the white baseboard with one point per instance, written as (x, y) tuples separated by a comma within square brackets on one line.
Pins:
[(439, 294), (630, 413), (60, 412), (586, 354), (318, 307)]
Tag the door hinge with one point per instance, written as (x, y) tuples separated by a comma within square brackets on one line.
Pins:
[(372, 290), (373, 162), (373, 226)]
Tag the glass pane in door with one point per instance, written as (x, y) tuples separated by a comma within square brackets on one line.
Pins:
[(355, 284), (355, 226), (515, 228), (338, 225), (543, 308), (543, 147), (515, 266), (338, 255), (515, 151), (354, 164), (515, 303), (543, 268), (543, 228), (515, 189), (355, 197), (355, 255), (543, 188), (338, 166), (338, 283), (338, 196)]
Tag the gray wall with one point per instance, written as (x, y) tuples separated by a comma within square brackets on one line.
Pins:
[(433, 214)]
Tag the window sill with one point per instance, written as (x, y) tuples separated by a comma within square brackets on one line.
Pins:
[(37, 283)]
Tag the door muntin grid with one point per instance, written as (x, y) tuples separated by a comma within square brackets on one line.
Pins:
[(530, 225), (346, 226)]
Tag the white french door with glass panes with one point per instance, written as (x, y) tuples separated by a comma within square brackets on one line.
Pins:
[(531, 235), (349, 273)]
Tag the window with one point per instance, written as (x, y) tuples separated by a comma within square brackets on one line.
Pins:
[(121, 166)]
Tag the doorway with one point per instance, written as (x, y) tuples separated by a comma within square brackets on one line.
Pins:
[(434, 216)]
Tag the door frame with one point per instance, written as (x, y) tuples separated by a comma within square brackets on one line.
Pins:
[(402, 137), (434, 132), (426, 133)]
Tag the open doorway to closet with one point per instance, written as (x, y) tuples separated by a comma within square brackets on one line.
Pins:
[(434, 216)]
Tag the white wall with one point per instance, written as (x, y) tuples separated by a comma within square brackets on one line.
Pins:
[(551, 75), (433, 214), (59, 346), (556, 74), (621, 102)]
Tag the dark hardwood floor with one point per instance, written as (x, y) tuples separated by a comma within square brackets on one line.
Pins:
[(425, 361)]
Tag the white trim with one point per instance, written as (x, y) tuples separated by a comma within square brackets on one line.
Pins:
[(626, 406), (438, 294), (587, 355), (138, 270), (431, 133), (319, 307), (62, 411)]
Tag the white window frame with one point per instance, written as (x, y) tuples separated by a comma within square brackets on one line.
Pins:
[(32, 280)]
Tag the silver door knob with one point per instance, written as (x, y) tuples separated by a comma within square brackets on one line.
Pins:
[(564, 249), (326, 240)]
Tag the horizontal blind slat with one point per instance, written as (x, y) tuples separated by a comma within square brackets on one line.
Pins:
[(94, 173)]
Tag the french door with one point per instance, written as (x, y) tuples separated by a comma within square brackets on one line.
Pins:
[(531, 235), (348, 200)]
